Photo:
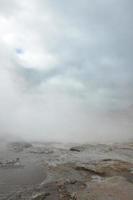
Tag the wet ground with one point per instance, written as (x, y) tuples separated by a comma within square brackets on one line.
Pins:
[(60, 171)]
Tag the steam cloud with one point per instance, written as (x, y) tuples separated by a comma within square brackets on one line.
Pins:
[(66, 70)]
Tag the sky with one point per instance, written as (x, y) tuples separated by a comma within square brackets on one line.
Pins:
[(66, 69)]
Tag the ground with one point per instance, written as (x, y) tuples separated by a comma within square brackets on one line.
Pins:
[(57, 171)]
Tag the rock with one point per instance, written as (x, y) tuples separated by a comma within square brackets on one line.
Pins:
[(63, 193), (96, 178), (19, 146), (74, 196), (11, 164), (89, 169), (72, 181), (114, 167), (77, 149), (40, 150), (92, 147), (40, 196), (131, 170), (108, 168)]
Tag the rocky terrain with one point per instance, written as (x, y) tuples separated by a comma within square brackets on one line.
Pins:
[(56, 171)]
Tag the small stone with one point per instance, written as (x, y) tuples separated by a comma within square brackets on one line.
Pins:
[(40, 196), (74, 196)]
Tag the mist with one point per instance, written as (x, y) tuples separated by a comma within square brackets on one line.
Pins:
[(66, 71), (58, 117)]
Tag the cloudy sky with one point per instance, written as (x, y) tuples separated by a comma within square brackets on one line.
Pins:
[(64, 65)]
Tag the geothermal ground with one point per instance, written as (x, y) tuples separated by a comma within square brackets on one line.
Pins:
[(56, 171)]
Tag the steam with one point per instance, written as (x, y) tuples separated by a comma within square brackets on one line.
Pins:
[(66, 70), (56, 116)]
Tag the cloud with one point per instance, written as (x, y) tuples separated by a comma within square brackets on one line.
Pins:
[(70, 60)]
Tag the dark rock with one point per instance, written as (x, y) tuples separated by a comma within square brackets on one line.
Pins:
[(77, 149)]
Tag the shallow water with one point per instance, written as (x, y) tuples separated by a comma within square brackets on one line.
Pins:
[(14, 179), (11, 179)]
